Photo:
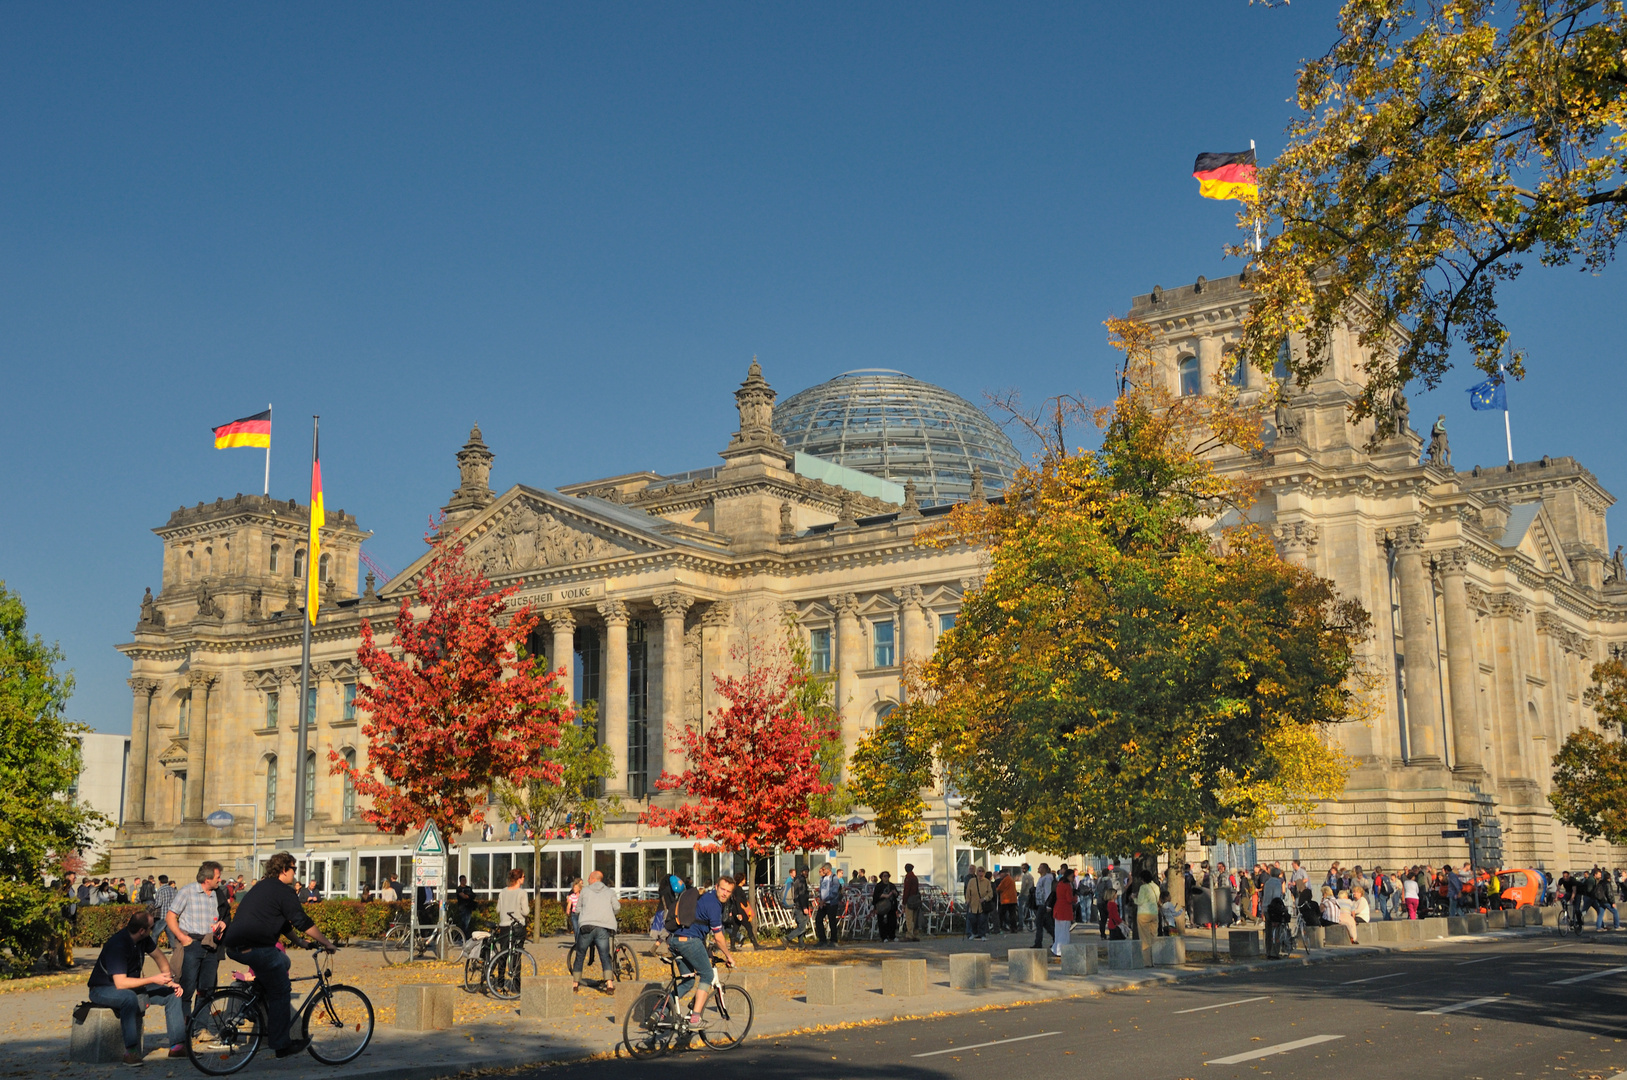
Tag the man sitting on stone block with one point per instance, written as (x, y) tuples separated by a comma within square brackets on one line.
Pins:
[(116, 982)]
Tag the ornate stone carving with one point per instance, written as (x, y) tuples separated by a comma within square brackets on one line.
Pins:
[(613, 612), (208, 606), (202, 680), (1454, 560), (911, 596), (846, 517), (845, 604), (1507, 605), (1479, 603), (912, 502), (1570, 640), (256, 608), (1439, 453), (370, 591), (1296, 537), (150, 615), (755, 401), (1617, 572), (560, 620), (474, 473), (526, 539), (673, 603), (787, 526), (970, 585), (720, 614), (1287, 422), (143, 687), (977, 495), (1409, 538)]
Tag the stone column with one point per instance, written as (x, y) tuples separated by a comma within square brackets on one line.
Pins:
[(614, 613), (916, 624), (1418, 645), (849, 645), (563, 624), (1461, 666), (1296, 540), (672, 605), (1208, 361), (714, 652), (197, 746), (141, 719)]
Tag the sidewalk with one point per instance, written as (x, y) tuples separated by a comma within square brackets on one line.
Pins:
[(34, 1036)]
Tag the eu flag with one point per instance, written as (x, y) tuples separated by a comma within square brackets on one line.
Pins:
[(1488, 395)]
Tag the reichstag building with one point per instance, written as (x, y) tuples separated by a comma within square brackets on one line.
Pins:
[(1492, 591)]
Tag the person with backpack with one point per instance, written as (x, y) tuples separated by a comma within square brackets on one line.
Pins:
[(737, 919), (698, 916), (1274, 909), (1604, 897)]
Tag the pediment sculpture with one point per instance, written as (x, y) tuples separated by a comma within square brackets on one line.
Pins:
[(526, 539)]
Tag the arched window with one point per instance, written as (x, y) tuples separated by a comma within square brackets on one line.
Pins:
[(310, 784), (1279, 370), (324, 568), (299, 563), (187, 567), (1239, 371), (1191, 382), (276, 550), (271, 787), (883, 711), (209, 560), (350, 787), (183, 714)]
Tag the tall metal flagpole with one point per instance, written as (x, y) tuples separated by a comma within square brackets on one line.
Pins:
[(267, 491), (1508, 434), (301, 716)]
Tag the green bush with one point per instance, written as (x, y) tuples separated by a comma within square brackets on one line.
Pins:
[(30, 916), (94, 925)]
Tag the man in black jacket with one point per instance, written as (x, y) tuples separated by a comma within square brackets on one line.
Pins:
[(268, 911)]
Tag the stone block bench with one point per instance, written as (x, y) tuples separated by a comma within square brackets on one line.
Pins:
[(1028, 965), (99, 1039), (903, 978), (548, 997), (829, 984), (969, 971), (1079, 958), (426, 1006)]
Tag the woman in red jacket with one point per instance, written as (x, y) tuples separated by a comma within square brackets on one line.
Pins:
[(1062, 909)]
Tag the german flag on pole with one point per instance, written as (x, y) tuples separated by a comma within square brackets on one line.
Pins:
[(313, 563), (250, 431), (1226, 176)]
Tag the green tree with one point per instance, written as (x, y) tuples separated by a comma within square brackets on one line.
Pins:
[(40, 823), (1128, 673), (816, 698), (1590, 770), (1440, 146), (550, 808)]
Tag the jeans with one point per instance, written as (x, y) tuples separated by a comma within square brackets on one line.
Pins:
[(1383, 902), (129, 1005), (598, 939), (465, 917), (802, 927), (1043, 921), (1615, 920), (270, 967), (197, 975), (692, 950), (1009, 923), (830, 914), (977, 924)]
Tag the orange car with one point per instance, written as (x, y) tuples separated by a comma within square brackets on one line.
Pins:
[(1521, 887)]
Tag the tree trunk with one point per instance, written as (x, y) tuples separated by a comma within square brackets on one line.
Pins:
[(538, 842), (1176, 878)]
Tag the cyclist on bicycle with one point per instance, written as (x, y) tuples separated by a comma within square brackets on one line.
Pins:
[(267, 912), (697, 917)]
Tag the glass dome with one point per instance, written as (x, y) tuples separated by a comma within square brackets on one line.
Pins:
[(889, 425)]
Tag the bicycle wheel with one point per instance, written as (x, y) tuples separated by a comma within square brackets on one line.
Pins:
[(454, 940), (395, 945), (507, 971), (570, 960), (339, 1024), (474, 974), (648, 1027), (728, 1018), (225, 1030), (626, 963)]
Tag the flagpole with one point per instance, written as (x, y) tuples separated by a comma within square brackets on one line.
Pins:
[(268, 450), (301, 715), (1508, 434), (1257, 246)]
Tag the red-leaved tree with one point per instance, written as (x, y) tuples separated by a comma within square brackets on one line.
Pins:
[(459, 709), (753, 776)]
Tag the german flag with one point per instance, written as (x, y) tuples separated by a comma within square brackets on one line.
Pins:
[(1226, 176), (250, 431)]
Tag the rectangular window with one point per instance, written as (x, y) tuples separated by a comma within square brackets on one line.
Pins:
[(605, 863), (884, 643), (480, 872), (587, 666), (349, 713), (638, 710), (271, 709), (946, 622), (819, 651), (570, 866), (310, 707), (183, 719)]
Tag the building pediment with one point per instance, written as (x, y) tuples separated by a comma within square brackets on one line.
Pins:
[(174, 756), (1531, 532)]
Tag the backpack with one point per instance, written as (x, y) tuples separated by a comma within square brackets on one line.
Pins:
[(684, 910)]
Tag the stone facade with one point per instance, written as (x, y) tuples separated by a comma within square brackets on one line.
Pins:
[(1491, 592)]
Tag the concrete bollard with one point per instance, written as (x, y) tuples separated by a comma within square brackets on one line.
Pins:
[(828, 984), (627, 991), (1457, 925), (1245, 944), (903, 978), (1551, 915), (1124, 955), (1496, 920), (99, 1040), (1475, 923), (751, 982), (1314, 937), (1337, 934), (1079, 958), (1431, 929), (1028, 965), (426, 1006), (1531, 915), (1168, 951), (1382, 932), (547, 997), (969, 971)]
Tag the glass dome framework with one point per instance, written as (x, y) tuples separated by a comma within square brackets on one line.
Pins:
[(887, 424)]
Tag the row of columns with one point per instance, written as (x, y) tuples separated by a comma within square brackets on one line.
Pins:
[(197, 746), (1421, 646)]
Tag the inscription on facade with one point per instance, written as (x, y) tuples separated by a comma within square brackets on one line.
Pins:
[(573, 594)]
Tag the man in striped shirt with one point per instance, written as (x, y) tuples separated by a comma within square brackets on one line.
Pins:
[(194, 921), (163, 897)]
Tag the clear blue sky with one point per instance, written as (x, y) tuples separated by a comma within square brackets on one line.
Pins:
[(577, 225)]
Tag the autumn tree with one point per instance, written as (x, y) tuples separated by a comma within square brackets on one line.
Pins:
[(1590, 770), (753, 777), (816, 698), (451, 708), (1440, 146), (567, 791), (1130, 671)]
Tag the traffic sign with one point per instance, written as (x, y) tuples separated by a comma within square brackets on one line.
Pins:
[(221, 819), (427, 871), (429, 842)]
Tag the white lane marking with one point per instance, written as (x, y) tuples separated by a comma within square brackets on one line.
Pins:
[(979, 1046), (1444, 1009), (1265, 1052), (1374, 978), (1481, 960), (1227, 1005), (1551, 948), (1589, 975)]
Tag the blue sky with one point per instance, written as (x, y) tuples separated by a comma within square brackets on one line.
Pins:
[(576, 226)]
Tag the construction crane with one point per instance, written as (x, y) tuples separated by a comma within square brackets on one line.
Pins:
[(380, 571)]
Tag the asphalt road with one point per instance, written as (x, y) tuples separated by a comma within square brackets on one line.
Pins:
[(1528, 1007)]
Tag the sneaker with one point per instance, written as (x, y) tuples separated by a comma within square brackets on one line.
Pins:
[(699, 1023), (134, 1058)]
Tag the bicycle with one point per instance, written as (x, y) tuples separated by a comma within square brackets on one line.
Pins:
[(480, 963), (658, 1018), (398, 950), (226, 1028), (1573, 919), (624, 963)]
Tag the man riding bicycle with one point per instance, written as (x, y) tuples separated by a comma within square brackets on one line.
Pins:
[(268, 911), (688, 941)]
